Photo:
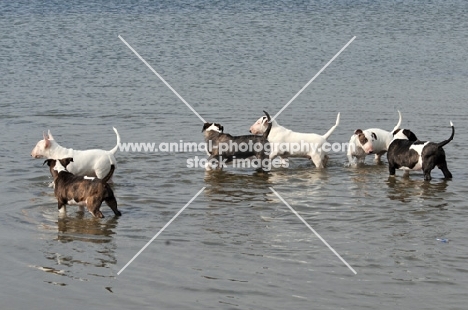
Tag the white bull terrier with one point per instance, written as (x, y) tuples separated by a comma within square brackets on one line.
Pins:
[(370, 141), (93, 162), (287, 143)]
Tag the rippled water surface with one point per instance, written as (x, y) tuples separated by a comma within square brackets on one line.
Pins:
[(237, 245)]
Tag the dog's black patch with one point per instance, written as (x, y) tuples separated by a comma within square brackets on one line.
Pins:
[(410, 135), (400, 154)]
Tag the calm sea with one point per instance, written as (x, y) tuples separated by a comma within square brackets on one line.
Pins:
[(237, 245)]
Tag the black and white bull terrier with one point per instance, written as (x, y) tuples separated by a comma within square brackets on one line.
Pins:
[(224, 148), (406, 152)]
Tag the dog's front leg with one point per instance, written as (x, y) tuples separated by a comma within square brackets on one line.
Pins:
[(351, 148), (427, 175), (93, 205), (274, 154), (209, 162), (265, 163), (221, 163), (378, 156)]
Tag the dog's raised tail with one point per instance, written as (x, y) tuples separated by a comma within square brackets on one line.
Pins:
[(333, 128), (118, 141), (397, 126), (445, 142)]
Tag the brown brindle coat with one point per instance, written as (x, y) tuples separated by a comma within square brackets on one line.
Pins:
[(83, 190)]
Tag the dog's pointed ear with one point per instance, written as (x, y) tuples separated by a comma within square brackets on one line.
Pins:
[(48, 161), (410, 135), (205, 126), (66, 161), (46, 139), (357, 131), (267, 115), (50, 135)]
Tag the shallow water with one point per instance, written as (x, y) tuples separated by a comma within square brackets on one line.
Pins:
[(237, 245)]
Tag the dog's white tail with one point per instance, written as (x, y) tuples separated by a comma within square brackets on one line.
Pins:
[(333, 128), (399, 122), (118, 142), (110, 159)]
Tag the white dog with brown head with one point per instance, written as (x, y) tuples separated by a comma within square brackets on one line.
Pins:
[(370, 141)]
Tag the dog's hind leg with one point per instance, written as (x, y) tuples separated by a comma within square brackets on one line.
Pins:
[(427, 175), (442, 165), (445, 170), (318, 161), (112, 203), (427, 168)]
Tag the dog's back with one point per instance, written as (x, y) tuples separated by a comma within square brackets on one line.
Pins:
[(79, 187)]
